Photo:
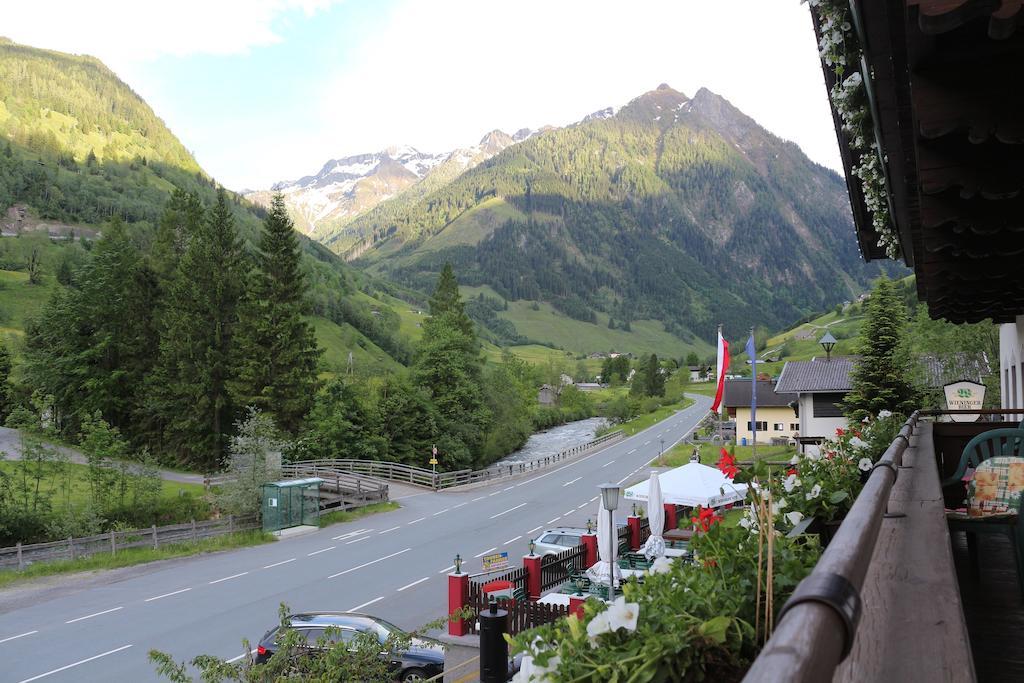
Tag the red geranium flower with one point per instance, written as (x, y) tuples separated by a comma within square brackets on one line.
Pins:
[(791, 470), (840, 431), (705, 519), (727, 465)]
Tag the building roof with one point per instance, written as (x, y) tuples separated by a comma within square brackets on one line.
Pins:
[(817, 375), (737, 394), (946, 92), (954, 367)]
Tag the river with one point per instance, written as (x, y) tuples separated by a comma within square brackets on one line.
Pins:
[(556, 439)]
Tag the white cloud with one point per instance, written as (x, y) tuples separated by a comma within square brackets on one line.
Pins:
[(125, 32), (444, 72)]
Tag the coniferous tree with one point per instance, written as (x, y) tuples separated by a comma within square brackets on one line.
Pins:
[(275, 351), (6, 394), (446, 300), (655, 381), (189, 387), (881, 378)]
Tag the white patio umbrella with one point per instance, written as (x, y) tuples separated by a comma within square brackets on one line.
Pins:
[(607, 549), (655, 545)]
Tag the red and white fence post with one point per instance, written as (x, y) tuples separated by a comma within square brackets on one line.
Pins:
[(458, 597), (531, 563), (590, 542)]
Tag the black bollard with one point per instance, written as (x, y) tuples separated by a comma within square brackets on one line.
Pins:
[(493, 647)]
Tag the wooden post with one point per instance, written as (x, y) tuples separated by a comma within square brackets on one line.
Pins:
[(21, 565), (71, 547), (156, 542), (113, 542), (194, 537), (231, 524)]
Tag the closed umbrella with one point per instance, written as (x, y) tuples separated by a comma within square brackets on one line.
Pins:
[(607, 549), (655, 545)]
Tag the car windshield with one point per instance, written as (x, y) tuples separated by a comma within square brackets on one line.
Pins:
[(385, 629)]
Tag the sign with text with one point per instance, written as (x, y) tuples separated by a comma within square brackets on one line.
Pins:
[(495, 561), (964, 396)]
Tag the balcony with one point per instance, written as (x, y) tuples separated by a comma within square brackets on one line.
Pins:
[(923, 615)]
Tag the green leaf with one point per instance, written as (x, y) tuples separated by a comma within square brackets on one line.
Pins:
[(715, 628), (838, 496)]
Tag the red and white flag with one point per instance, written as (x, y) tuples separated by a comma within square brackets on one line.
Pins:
[(723, 366)]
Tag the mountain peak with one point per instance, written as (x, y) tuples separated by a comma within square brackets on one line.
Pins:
[(664, 86), (661, 106)]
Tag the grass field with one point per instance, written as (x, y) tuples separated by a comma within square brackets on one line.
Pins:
[(638, 424), (474, 225), (702, 388), (78, 492), (338, 340), (19, 301), (134, 556), (711, 452), (339, 516)]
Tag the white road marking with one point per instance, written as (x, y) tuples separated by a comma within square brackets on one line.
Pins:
[(580, 507), (610, 462), (511, 540), (593, 499), (631, 452), (536, 528), (624, 478), (509, 488), (508, 511), (441, 512), (351, 534), (278, 564), (228, 578), (493, 494), (90, 616), (20, 635), (387, 531), (447, 569), (415, 521), (364, 538), (366, 604), (157, 597), (457, 506), (489, 550), (475, 500), (568, 513), (322, 550), (414, 583), (81, 661), (571, 482), (647, 442), (367, 564), (552, 521)]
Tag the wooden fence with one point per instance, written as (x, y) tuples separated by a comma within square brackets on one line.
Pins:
[(522, 614), (418, 476), (340, 489), (555, 569), (516, 576), (23, 555)]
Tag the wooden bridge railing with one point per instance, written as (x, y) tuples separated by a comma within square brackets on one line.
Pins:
[(817, 626), (418, 476)]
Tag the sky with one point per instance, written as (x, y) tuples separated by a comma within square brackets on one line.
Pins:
[(268, 90)]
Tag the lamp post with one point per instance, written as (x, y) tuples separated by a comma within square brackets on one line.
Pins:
[(610, 501), (828, 342), (532, 546), (458, 563)]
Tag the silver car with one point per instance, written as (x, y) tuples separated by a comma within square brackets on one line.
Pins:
[(555, 540)]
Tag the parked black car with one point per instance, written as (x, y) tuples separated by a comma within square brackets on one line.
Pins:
[(423, 659)]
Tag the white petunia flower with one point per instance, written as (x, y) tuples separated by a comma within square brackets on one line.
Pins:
[(814, 492), (790, 482), (661, 565), (597, 626), (794, 517), (622, 614), (866, 419), (745, 523), (858, 442), (794, 460), (884, 414), (782, 503), (531, 672), (864, 464)]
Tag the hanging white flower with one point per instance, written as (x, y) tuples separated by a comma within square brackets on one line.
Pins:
[(884, 414), (814, 492), (864, 464), (858, 442), (794, 517), (531, 672), (791, 482), (622, 614), (662, 565), (597, 626)]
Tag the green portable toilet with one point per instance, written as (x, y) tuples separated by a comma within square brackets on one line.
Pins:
[(293, 502)]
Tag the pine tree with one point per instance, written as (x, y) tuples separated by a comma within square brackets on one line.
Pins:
[(189, 393), (655, 381), (880, 379), (446, 300), (276, 352), (6, 394)]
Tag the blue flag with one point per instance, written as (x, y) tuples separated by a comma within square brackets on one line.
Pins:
[(752, 353)]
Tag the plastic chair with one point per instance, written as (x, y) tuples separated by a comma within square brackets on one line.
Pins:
[(1006, 441), (994, 506)]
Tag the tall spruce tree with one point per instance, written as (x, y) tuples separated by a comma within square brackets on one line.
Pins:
[(275, 350), (881, 378), (189, 392), (449, 367)]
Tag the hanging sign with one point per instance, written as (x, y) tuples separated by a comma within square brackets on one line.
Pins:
[(964, 396), (433, 455), (495, 561)]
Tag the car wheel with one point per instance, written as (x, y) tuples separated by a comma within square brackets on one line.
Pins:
[(413, 676)]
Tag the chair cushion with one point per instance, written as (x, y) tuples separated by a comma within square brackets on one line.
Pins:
[(995, 489)]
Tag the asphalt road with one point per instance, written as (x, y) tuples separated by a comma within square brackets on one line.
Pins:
[(393, 565)]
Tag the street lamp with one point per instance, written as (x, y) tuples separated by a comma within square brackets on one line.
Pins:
[(590, 526), (458, 564), (533, 546), (610, 501), (828, 342)]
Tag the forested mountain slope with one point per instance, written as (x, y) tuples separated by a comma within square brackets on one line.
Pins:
[(674, 209)]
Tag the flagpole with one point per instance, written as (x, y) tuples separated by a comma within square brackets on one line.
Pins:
[(718, 416), (753, 395)]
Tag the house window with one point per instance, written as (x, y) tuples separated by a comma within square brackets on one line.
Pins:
[(795, 426), (761, 426), (778, 426), (826, 405)]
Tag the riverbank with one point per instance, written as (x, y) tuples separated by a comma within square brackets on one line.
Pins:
[(556, 439)]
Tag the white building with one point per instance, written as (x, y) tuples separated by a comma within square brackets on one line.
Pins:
[(820, 385)]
